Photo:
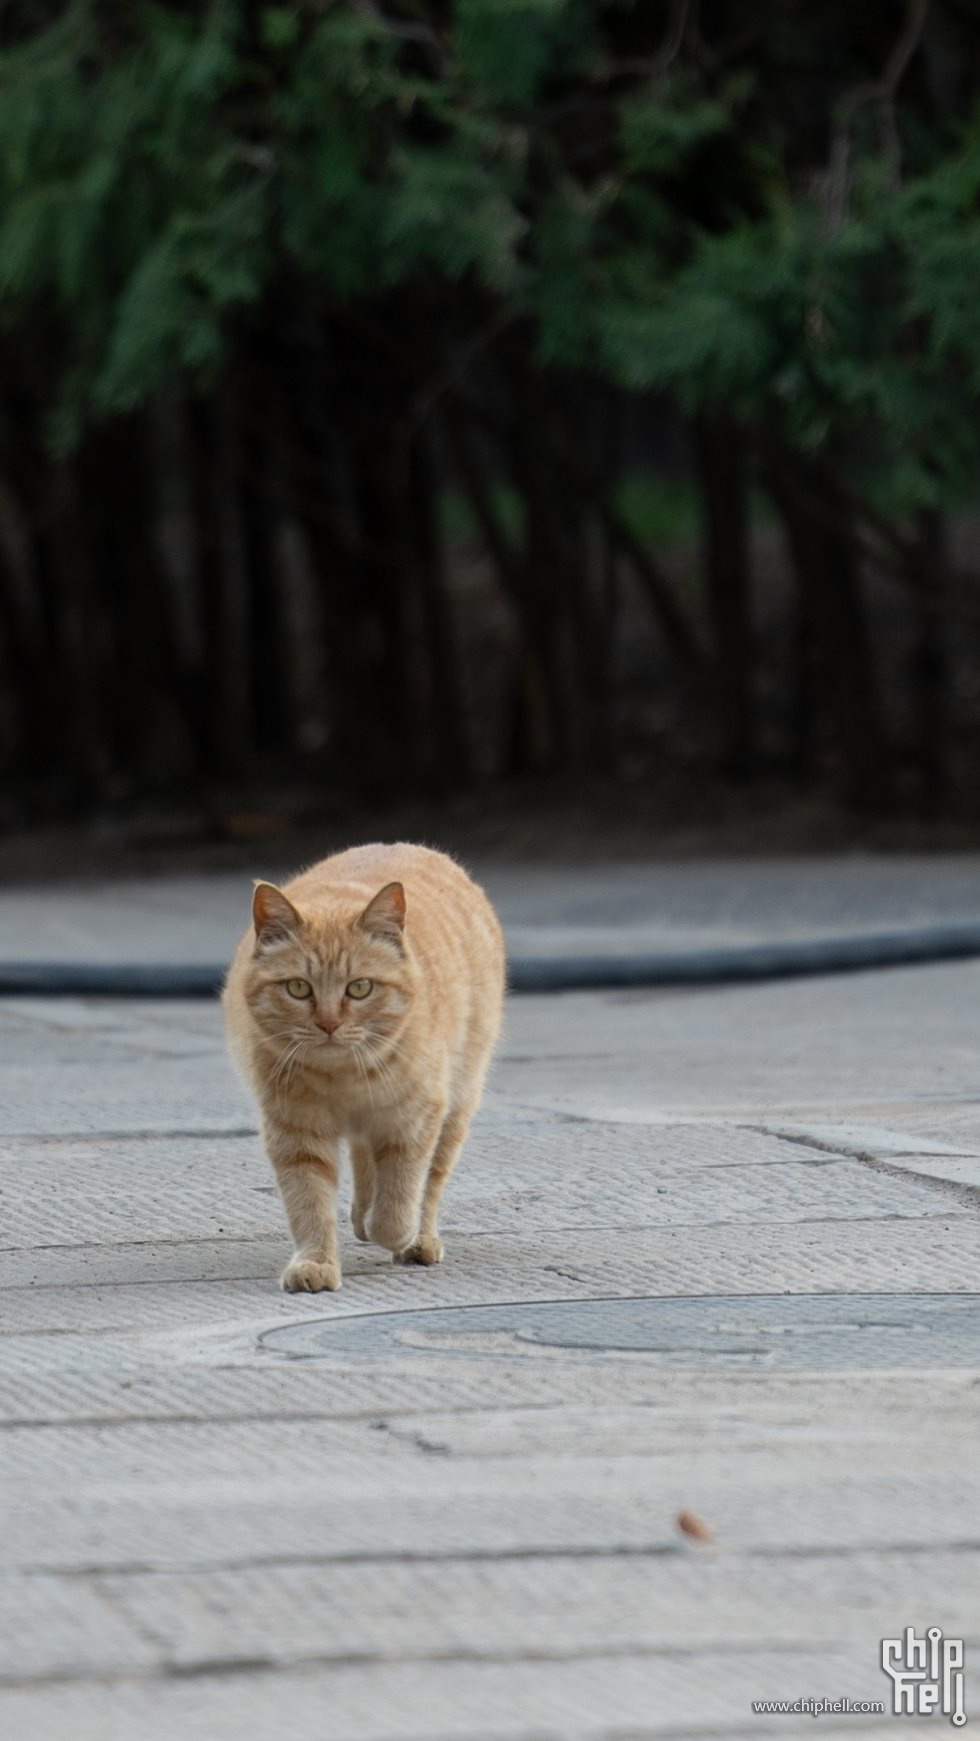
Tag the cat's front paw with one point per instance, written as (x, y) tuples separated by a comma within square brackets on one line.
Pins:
[(427, 1249), (306, 1275)]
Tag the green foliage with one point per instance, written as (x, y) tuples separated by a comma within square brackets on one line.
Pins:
[(460, 525), (122, 205), (167, 314), (659, 511), (486, 38), (451, 214), (658, 138), (163, 170)]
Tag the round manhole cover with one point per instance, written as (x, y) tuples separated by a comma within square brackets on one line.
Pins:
[(832, 1332)]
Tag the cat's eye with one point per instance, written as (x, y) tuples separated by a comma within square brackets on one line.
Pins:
[(299, 988), (360, 987)]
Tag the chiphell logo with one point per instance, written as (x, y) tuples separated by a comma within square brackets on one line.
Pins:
[(926, 1674)]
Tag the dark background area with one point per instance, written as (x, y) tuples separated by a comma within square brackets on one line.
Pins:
[(555, 413)]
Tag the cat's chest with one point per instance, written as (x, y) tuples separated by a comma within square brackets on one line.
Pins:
[(353, 1102)]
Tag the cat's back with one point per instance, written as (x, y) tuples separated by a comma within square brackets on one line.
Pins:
[(449, 915)]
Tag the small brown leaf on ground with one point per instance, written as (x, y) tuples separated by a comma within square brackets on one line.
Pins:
[(689, 1523)]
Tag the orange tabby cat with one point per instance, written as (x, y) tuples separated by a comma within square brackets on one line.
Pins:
[(363, 1007)]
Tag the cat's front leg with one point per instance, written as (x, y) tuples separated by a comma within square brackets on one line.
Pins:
[(307, 1175), (401, 1166)]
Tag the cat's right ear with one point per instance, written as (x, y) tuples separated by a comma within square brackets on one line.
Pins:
[(384, 917), (273, 915)]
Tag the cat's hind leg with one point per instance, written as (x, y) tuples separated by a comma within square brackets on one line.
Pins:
[(401, 1169), (362, 1176)]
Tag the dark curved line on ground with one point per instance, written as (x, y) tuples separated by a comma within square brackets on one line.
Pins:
[(728, 964)]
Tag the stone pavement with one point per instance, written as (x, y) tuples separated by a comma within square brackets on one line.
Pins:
[(713, 1250)]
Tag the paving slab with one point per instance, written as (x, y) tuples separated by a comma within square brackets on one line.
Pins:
[(713, 1251), (617, 1698)]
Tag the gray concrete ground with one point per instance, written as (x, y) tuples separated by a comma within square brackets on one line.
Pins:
[(546, 906), (709, 1250)]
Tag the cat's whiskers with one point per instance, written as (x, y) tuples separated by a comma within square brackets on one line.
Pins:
[(383, 1044), (377, 1065), (288, 1059), (298, 1051), (383, 1069), (276, 1076), (280, 1035), (362, 1072)]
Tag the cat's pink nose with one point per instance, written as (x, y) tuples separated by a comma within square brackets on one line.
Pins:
[(327, 1023)]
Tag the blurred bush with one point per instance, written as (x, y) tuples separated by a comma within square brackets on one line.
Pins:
[(294, 300)]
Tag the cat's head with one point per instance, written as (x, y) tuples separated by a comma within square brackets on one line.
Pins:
[(338, 980)]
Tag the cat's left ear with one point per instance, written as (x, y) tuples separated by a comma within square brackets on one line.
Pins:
[(384, 917), (273, 915)]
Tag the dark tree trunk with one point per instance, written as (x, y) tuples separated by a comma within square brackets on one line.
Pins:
[(31, 673), (530, 733), (611, 467), (221, 586), (573, 524), (803, 699), (546, 587), (720, 449), (825, 556), (156, 710), (319, 489), (260, 493), (930, 663), (385, 580), (450, 747), (82, 634)]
